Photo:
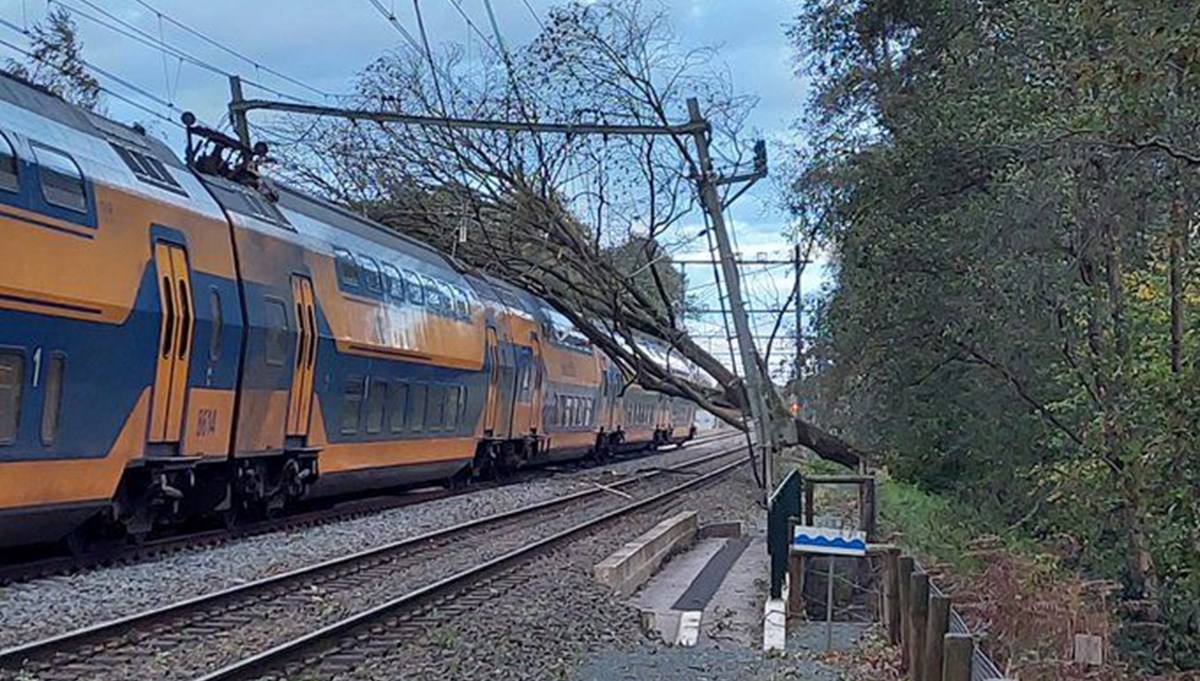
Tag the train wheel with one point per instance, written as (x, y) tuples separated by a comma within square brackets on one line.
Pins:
[(93, 537), (460, 480)]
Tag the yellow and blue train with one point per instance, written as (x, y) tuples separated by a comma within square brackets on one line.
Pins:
[(179, 341)]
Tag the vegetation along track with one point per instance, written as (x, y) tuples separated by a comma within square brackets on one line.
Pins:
[(256, 625), (126, 555)]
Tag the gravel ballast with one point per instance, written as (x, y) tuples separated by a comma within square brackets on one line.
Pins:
[(47, 607), (561, 624)]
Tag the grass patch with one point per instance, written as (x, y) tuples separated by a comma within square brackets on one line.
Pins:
[(934, 527)]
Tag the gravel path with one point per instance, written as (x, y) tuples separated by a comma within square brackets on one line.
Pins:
[(42, 608), (547, 626)]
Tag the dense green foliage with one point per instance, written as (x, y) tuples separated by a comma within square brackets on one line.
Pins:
[(934, 527), (1009, 190)]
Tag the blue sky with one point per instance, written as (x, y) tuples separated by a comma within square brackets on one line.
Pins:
[(324, 43)]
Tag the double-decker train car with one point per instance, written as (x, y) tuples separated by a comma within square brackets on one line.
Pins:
[(180, 340)]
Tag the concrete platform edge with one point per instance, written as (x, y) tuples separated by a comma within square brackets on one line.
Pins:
[(631, 565)]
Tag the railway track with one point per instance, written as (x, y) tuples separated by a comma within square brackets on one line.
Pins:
[(55, 565), (321, 610)]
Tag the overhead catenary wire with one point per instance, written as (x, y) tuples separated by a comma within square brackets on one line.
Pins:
[(457, 4), (120, 26), (541, 24), (437, 86), (106, 90), (231, 51), (412, 41)]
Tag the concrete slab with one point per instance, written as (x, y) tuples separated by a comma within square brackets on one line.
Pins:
[(656, 599), (636, 561), (664, 588), (706, 584), (730, 530), (734, 616)]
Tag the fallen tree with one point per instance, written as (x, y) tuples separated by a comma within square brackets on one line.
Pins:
[(554, 214)]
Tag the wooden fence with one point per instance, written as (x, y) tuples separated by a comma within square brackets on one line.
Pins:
[(935, 643)]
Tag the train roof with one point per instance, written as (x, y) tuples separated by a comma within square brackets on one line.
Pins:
[(331, 213), (105, 151), (42, 102)]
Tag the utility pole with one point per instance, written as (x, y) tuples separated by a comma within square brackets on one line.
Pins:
[(752, 375), (237, 115), (799, 331)]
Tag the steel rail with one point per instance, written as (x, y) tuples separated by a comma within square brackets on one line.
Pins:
[(15, 657), (16, 572), (255, 666)]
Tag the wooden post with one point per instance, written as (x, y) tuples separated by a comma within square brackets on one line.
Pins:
[(795, 571), (935, 635), (919, 591), (956, 663), (891, 594), (795, 604), (903, 576), (809, 492), (869, 518)]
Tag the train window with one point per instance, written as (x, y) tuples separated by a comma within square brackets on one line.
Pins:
[(447, 298), (445, 302), (347, 268), (147, 168), (392, 283), (12, 379), (452, 407), (62, 180), (399, 405), (465, 303), (370, 274), (376, 405), (412, 283), (276, 335), (8, 165), (435, 407), (52, 405), (525, 387), (218, 325), (263, 209), (433, 297), (416, 407), (352, 405)]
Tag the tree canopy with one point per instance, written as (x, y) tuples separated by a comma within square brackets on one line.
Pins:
[(56, 61), (1010, 190)]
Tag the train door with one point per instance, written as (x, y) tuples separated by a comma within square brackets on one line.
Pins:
[(521, 415), (536, 415), (612, 379), (174, 343), (300, 399), (491, 406)]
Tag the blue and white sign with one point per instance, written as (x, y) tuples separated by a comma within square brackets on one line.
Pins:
[(828, 541)]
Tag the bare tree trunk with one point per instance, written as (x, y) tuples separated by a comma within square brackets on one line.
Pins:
[(1175, 256)]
